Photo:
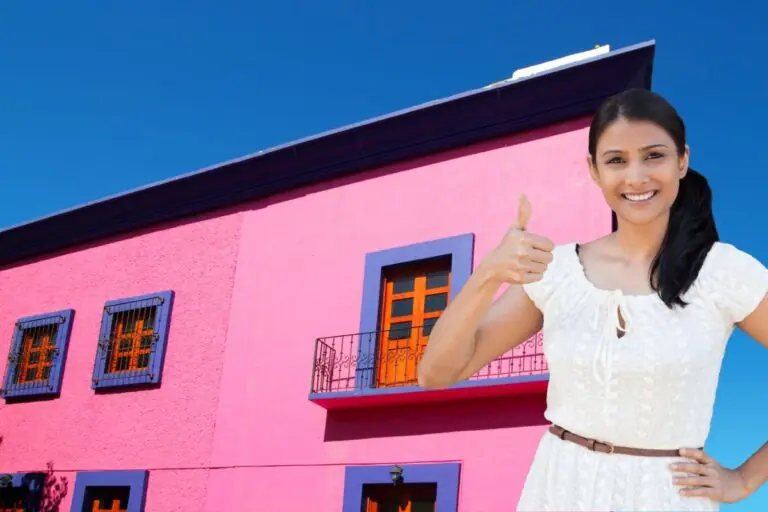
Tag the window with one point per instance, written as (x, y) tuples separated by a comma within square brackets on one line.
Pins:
[(439, 269), (414, 296), (132, 341), (21, 492), (38, 351), (107, 499), (422, 488), (399, 498), (110, 491), (132, 336)]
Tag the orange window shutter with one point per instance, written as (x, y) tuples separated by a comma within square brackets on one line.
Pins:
[(132, 341), (36, 356)]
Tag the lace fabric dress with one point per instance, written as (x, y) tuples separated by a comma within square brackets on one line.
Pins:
[(654, 387)]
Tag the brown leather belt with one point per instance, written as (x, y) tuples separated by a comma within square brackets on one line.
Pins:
[(603, 447)]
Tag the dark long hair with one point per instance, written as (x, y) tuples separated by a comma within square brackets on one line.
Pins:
[(691, 232)]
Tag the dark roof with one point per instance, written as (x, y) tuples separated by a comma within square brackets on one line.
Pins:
[(554, 96)]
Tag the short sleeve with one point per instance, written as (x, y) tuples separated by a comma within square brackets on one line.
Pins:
[(737, 281), (541, 292)]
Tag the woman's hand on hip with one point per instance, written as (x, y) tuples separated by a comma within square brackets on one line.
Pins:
[(706, 478)]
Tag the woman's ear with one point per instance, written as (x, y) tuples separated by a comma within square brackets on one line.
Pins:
[(684, 160)]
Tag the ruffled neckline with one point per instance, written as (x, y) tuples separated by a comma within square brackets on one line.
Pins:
[(575, 262)]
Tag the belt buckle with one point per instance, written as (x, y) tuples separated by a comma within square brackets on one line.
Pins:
[(592, 446)]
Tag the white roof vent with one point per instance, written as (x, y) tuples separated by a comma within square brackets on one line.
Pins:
[(556, 63), (562, 61)]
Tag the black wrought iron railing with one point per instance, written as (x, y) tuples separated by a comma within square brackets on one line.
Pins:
[(385, 359)]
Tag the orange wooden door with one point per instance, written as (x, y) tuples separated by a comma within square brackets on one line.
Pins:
[(400, 498), (413, 299), (109, 499), (98, 506)]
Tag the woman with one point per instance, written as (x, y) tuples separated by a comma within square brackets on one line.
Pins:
[(635, 325)]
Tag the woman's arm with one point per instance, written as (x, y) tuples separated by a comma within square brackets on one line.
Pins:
[(473, 330), (755, 469), (756, 323), (706, 477)]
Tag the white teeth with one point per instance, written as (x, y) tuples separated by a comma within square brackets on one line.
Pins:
[(640, 197)]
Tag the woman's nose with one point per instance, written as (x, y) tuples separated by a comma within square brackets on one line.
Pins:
[(636, 175)]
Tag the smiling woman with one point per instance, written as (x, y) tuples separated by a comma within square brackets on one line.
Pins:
[(639, 158), (635, 325)]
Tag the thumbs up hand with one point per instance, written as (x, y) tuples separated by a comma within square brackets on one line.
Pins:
[(523, 212), (521, 257)]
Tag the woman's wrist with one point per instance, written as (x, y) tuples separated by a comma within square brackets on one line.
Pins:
[(752, 479), (754, 471), (485, 280)]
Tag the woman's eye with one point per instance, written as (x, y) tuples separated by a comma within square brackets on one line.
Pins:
[(614, 160), (655, 155)]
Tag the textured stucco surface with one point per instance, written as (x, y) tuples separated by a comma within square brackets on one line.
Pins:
[(232, 423), (167, 490), (157, 429), (299, 277)]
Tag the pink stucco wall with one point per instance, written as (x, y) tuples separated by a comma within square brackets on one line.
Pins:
[(168, 430), (254, 288), (299, 277)]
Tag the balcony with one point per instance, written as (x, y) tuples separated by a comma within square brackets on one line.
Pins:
[(356, 370)]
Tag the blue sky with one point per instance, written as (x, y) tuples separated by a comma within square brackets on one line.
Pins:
[(100, 97)]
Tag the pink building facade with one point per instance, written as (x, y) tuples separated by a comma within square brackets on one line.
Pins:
[(246, 337)]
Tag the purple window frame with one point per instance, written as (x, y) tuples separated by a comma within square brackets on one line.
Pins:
[(459, 247), (33, 482), (18, 391), (153, 374), (446, 476), (136, 480)]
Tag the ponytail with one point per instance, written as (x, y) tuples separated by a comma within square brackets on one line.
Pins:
[(691, 230), (690, 235)]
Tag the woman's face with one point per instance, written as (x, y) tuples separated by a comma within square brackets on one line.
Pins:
[(638, 169)]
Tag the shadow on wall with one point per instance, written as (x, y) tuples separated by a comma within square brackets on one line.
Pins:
[(54, 490), (33, 491), (455, 416)]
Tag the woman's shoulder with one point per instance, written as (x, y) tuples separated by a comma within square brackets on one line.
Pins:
[(564, 258), (725, 258), (560, 270), (735, 279), (562, 252)]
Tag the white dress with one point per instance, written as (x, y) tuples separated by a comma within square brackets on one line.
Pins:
[(652, 388)]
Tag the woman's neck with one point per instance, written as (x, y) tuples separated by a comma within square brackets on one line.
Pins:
[(641, 242)]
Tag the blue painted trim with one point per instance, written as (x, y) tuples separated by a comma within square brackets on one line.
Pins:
[(32, 481), (53, 387), (461, 250), (517, 106), (446, 476), (153, 374), (135, 479), (399, 390), (33, 484)]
